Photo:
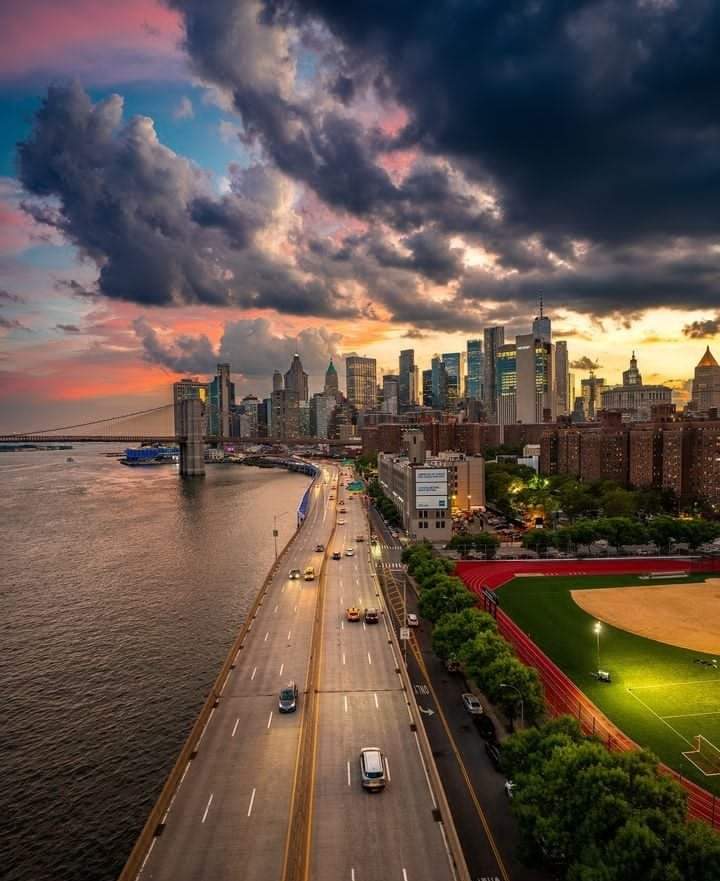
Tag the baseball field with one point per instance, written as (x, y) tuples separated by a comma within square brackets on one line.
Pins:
[(659, 638)]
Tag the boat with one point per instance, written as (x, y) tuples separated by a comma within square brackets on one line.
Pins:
[(150, 455)]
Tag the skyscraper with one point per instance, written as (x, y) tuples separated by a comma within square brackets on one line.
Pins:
[(391, 393), (440, 383), (494, 339), (427, 394), (296, 380), (406, 376), (706, 385), (535, 381), (188, 388), (331, 381), (562, 379), (541, 326), (277, 381), (591, 390), (361, 381), (505, 371), (474, 389), (221, 396), (455, 367)]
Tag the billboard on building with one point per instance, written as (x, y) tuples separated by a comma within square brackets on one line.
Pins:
[(431, 488)]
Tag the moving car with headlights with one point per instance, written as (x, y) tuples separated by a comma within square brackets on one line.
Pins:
[(349, 552), (352, 613), (309, 573), (372, 768), (287, 701), (337, 555), (294, 573)]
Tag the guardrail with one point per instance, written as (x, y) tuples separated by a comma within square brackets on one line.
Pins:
[(158, 815)]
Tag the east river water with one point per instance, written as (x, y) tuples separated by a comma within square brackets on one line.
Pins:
[(121, 590)]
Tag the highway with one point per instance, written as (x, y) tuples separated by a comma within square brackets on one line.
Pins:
[(257, 773), (363, 836)]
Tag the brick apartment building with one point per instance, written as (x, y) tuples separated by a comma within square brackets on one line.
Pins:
[(681, 455), (471, 438)]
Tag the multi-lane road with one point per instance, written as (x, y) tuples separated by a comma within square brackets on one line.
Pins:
[(265, 788)]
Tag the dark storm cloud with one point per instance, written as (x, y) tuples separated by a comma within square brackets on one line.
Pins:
[(148, 218), (248, 344), (699, 330)]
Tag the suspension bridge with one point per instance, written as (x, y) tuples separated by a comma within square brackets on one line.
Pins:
[(187, 423)]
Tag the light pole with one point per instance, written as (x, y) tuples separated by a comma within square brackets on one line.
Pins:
[(276, 517), (597, 628), (522, 703)]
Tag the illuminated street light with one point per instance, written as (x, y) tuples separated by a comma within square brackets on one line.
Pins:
[(597, 628), (522, 705)]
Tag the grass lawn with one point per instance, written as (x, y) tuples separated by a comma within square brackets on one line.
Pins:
[(658, 695)]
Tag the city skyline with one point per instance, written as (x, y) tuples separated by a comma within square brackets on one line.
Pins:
[(436, 238)]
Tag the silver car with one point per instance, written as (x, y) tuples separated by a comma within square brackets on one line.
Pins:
[(372, 768)]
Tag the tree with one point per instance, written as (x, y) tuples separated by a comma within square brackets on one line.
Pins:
[(538, 540), (487, 543), (455, 629), (481, 651), (506, 680), (438, 601), (618, 502)]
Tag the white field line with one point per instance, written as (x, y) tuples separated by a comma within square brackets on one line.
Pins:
[(702, 682), (650, 710), (692, 715)]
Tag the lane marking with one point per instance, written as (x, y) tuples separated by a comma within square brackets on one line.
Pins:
[(252, 801), (282, 667), (295, 609), (369, 658), (253, 673), (346, 703), (270, 719), (289, 632), (348, 773), (405, 877), (352, 874), (377, 705), (275, 610), (343, 657), (342, 625), (207, 807), (387, 769), (237, 721), (266, 636)]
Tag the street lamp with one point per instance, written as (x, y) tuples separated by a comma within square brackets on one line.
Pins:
[(522, 704), (276, 517), (597, 628)]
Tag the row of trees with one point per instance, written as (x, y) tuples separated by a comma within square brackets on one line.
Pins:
[(383, 503), (464, 633), (602, 816), (485, 542), (663, 531)]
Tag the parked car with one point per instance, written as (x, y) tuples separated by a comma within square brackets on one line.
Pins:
[(493, 753), (452, 665), (412, 620), (352, 613), (294, 573), (371, 616), (472, 704), (486, 727)]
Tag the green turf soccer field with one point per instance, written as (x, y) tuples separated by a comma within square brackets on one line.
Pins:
[(660, 695)]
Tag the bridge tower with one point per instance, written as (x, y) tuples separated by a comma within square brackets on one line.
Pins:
[(191, 437)]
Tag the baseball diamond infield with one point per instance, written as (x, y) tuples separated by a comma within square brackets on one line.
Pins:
[(684, 615)]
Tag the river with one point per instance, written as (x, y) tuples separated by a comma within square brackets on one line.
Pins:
[(121, 592)]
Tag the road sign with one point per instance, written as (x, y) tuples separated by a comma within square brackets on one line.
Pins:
[(404, 633)]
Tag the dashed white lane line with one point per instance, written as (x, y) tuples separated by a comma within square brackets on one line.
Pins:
[(275, 610), (282, 667), (405, 877), (252, 801), (352, 874), (252, 676), (377, 705), (295, 609), (369, 658), (364, 627), (348, 773), (387, 769), (237, 722), (270, 719), (266, 636), (346, 703), (289, 632), (342, 625), (343, 657), (207, 807)]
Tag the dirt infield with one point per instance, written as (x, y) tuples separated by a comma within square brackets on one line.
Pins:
[(685, 615)]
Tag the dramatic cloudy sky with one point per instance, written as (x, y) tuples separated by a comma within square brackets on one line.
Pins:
[(196, 180)]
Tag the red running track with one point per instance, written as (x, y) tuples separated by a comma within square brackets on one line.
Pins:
[(562, 695)]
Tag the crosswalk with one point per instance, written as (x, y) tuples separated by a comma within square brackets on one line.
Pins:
[(387, 547), (399, 566)]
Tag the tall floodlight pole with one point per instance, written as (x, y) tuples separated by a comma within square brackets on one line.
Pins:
[(597, 628)]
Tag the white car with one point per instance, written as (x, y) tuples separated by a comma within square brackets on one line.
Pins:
[(341, 522), (472, 704), (412, 620), (349, 552)]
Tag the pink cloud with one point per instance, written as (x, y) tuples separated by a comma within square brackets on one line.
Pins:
[(113, 41)]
